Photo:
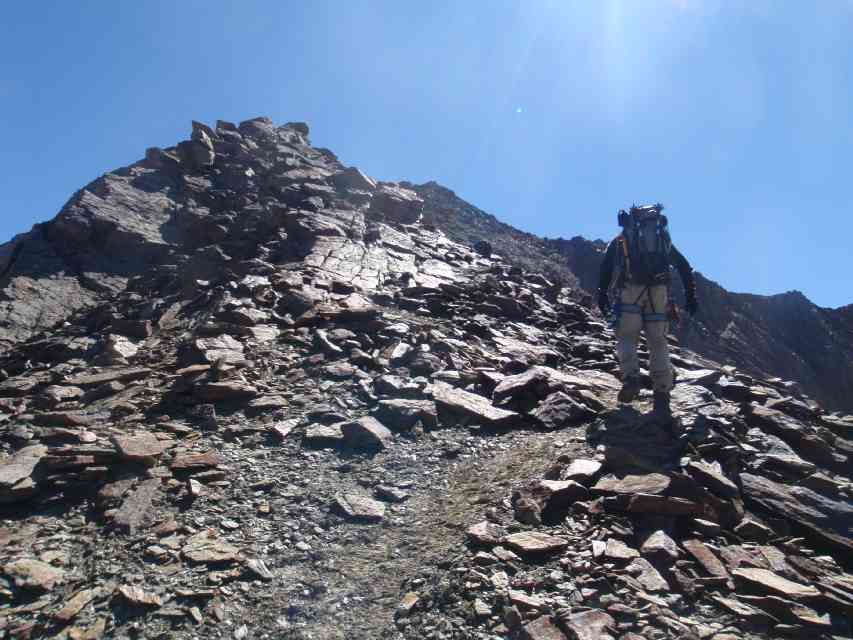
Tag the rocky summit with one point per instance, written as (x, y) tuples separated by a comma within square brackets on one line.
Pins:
[(250, 392)]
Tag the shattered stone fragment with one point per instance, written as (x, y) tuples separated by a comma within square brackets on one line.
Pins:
[(366, 433), (360, 508)]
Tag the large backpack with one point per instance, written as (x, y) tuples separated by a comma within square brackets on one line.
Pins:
[(645, 245)]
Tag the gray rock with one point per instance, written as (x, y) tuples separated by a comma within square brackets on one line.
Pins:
[(456, 404)]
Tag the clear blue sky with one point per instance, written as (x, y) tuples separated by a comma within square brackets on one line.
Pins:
[(549, 114)]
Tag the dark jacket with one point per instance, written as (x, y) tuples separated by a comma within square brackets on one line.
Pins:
[(676, 260)]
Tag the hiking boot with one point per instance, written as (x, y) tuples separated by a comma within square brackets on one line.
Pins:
[(662, 410), (630, 389)]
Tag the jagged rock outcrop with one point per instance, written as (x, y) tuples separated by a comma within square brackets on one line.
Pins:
[(292, 388)]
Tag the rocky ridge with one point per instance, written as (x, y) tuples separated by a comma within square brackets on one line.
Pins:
[(300, 410)]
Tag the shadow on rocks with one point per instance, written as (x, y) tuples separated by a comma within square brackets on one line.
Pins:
[(634, 441)]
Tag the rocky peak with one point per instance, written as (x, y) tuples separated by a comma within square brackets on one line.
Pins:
[(257, 376)]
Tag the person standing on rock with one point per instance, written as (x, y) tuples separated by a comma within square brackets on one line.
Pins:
[(637, 266)]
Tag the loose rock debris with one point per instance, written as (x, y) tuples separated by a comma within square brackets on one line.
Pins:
[(289, 431)]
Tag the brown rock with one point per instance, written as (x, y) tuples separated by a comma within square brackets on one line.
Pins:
[(204, 547), (18, 479), (63, 419), (543, 628), (768, 581), (647, 575), (366, 433), (407, 604), (34, 575), (618, 550), (706, 558), (754, 531), (360, 508), (322, 434), (190, 462), (142, 447), (715, 481), (225, 391), (486, 533), (644, 503), (283, 429), (535, 542), (75, 604), (590, 625), (660, 545), (139, 597), (651, 484), (223, 348), (136, 509), (121, 375), (453, 403), (524, 601), (745, 611)]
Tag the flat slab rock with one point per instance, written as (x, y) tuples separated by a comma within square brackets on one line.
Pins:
[(206, 548), (359, 508), (34, 575), (830, 519), (143, 447), (324, 433), (535, 542), (222, 347), (476, 408), (581, 470), (121, 375), (768, 581), (224, 391), (652, 483), (194, 461)]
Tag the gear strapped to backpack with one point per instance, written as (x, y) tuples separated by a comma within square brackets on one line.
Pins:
[(645, 245)]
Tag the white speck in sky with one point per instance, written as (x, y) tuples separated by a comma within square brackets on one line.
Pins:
[(519, 110)]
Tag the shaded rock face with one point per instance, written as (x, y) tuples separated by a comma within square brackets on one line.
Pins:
[(291, 376)]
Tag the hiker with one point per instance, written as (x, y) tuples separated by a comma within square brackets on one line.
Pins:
[(637, 265)]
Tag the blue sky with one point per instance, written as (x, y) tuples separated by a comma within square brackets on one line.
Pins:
[(549, 114)]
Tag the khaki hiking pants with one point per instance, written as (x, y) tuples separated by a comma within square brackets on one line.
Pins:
[(644, 308)]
